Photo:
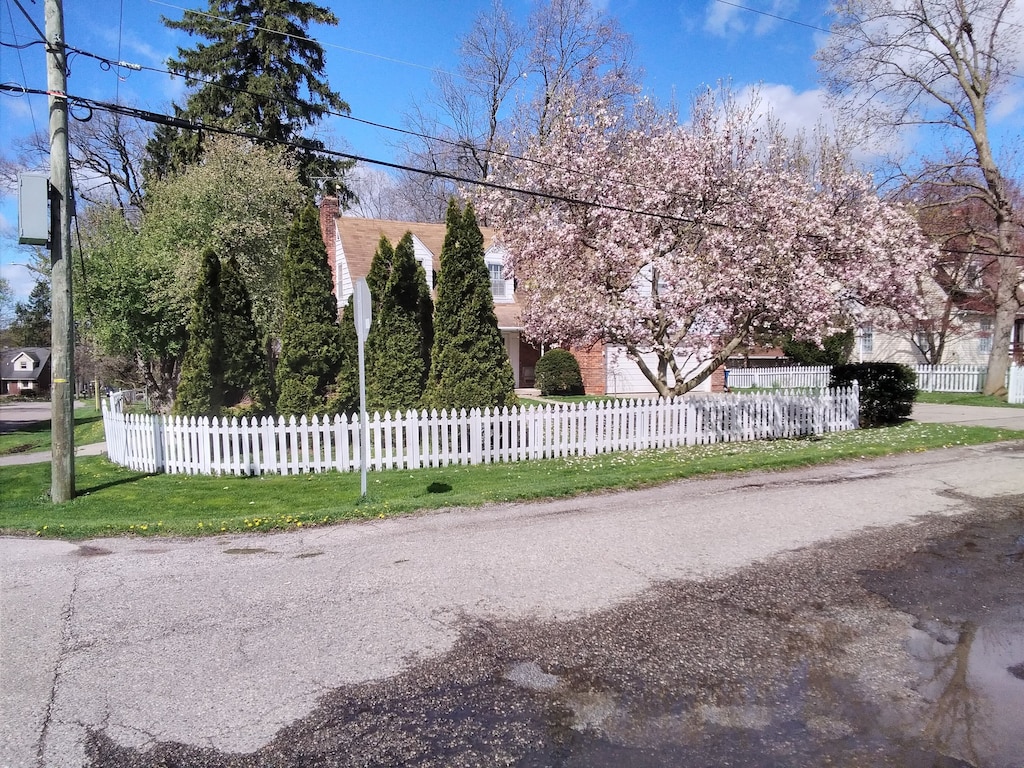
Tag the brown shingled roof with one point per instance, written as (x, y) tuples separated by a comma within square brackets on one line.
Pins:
[(359, 238)]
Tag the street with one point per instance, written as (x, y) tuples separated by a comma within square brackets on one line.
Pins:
[(584, 631)]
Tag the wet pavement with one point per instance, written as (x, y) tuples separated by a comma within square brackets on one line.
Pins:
[(899, 646)]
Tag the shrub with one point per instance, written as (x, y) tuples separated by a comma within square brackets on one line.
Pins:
[(887, 390), (558, 373)]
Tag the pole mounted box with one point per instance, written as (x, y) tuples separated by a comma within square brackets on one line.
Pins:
[(33, 209)]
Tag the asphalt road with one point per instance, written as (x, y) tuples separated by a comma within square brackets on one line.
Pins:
[(222, 642)]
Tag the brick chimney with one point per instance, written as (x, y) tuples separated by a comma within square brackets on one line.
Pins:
[(329, 211)]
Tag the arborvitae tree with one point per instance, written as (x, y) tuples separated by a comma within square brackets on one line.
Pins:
[(396, 365), (310, 336), (260, 71), (469, 365), (245, 370), (345, 397), (201, 388)]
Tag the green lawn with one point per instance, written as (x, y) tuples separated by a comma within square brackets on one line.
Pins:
[(964, 398), (116, 501), (37, 436)]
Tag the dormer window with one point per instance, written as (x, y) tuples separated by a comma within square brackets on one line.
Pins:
[(25, 363)]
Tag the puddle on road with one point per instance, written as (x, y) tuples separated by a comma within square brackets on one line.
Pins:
[(802, 661)]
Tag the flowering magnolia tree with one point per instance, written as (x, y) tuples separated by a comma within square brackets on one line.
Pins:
[(690, 241)]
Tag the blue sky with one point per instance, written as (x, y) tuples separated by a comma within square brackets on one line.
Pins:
[(381, 55)]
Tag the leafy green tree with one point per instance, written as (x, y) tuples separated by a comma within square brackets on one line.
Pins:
[(469, 365), (259, 71), (31, 325), (201, 390), (245, 368), (310, 336), (397, 365)]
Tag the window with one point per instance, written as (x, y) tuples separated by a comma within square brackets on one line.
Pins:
[(985, 336), (866, 339), (497, 280), (25, 364)]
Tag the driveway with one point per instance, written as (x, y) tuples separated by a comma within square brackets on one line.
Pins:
[(227, 649), (969, 415)]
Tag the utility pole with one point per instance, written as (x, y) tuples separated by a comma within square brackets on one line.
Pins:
[(62, 351)]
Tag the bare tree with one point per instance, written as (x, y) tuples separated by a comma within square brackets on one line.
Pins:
[(940, 66), (106, 159), (509, 78)]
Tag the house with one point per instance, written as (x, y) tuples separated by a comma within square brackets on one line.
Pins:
[(351, 243), (25, 371)]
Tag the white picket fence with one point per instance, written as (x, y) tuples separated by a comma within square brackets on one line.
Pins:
[(791, 377), (179, 445), (950, 378), (1015, 387), (930, 378)]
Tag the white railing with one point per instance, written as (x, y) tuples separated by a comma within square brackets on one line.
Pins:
[(793, 377), (179, 445), (1015, 385), (950, 378)]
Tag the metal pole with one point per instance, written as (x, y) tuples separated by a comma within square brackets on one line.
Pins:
[(364, 432), (62, 473)]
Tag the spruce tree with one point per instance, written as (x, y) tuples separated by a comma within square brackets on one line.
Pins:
[(469, 365), (396, 364), (201, 387), (310, 335), (259, 71), (245, 370)]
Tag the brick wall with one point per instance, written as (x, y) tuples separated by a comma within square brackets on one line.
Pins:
[(592, 368), (718, 379)]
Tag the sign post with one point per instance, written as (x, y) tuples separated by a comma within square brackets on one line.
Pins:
[(363, 317)]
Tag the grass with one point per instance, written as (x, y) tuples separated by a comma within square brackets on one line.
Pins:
[(37, 436), (964, 398), (115, 501)]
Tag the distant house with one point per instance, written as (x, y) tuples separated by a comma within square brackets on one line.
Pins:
[(25, 371)]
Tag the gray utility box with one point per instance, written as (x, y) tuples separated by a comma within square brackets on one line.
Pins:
[(33, 209)]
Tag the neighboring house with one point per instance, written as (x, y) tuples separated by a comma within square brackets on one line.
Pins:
[(25, 371), (351, 243), (969, 344)]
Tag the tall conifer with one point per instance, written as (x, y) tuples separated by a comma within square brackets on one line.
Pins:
[(397, 366), (310, 336), (469, 365), (201, 387), (245, 368)]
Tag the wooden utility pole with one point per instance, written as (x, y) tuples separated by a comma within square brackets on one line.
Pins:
[(62, 352)]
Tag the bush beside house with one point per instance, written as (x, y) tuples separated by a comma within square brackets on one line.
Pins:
[(887, 390), (558, 373)]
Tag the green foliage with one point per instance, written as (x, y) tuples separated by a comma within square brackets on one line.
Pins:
[(834, 349), (887, 390), (469, 365), (310, 336), (201, 390), (397, 355), (245, 369), (260, 71), (558, 373), (31, 324), (345, 397)]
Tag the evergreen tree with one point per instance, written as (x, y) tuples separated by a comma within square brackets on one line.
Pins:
[(31, 325), (310, 336), (245, 370), (260, 72), (396, 364), (469, 365), (201, 387), (345, 398)]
